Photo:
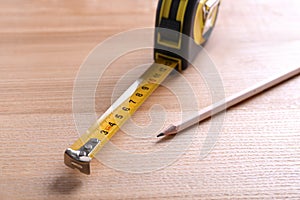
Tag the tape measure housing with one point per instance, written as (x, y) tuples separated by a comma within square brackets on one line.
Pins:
[(192, 18)]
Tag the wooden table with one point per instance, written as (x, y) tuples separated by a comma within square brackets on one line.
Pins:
[(42, 45)]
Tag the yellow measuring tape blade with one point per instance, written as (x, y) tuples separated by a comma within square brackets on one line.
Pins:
[(119, 112)]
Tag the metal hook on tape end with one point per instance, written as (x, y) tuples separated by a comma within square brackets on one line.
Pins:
[(80, 159)]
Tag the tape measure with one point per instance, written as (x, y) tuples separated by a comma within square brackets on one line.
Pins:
[(194, 18)]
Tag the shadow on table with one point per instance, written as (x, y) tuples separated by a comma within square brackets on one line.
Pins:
[(65, 184)]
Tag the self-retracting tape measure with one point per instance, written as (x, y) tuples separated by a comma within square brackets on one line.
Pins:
[(194, 18)]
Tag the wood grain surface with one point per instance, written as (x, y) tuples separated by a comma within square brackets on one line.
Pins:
[(257, 151)]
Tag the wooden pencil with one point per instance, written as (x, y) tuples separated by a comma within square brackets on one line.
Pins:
[(228, 102)]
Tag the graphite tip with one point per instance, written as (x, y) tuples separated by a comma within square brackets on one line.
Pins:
[(161, 134)]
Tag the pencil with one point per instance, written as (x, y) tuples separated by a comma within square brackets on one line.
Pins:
[(229, 102)]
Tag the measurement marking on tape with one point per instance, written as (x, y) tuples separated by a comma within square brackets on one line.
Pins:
[(86, 147)]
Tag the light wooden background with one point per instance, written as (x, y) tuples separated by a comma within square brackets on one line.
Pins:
[(42, 45)]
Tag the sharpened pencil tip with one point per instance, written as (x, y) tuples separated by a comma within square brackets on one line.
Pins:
[(160, 135)]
